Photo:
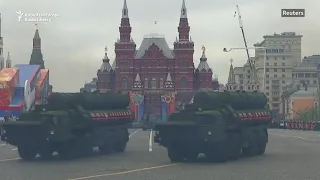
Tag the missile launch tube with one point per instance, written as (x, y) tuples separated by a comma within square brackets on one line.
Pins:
[(90, 101), (238, 100)]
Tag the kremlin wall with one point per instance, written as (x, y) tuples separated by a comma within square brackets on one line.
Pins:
[(23, 85)]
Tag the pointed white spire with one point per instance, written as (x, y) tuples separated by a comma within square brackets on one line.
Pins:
[(137, 82), (231, 84), (1, 49), (8, 61), (0, 25), (125, 10), (168, 83), (253, 84), (203, 56), (105, 66), (1, 62), (203, 65), (106, 53), (169, 77), (1, 39), (137, 78), (183, 10), (8, 57)]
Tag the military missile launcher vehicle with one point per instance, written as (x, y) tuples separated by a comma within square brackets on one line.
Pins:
[(72, 124), (222, 125)]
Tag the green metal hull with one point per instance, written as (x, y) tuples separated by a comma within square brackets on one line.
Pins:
[(89, 101), (71, 123), (222, 125), (238, 100)]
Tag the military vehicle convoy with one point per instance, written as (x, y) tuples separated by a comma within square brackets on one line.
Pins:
[(72, 124), (222, 125)]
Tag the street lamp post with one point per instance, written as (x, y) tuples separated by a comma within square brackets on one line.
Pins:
[(264, 60)]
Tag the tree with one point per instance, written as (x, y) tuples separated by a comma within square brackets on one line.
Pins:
[(309, 114)]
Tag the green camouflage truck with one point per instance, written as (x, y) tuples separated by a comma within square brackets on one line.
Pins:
[(71, 124), (222, 125)]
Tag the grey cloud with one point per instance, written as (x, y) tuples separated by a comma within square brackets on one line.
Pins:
[(73, 43)]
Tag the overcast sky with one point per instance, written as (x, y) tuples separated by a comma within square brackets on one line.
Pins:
[(73, 43)]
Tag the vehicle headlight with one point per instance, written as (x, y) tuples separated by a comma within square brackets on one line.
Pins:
[(52, 132), (209, 133)]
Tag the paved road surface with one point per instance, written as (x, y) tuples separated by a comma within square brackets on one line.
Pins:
[(291, 155)]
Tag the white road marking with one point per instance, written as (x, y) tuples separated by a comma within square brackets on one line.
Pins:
[(12, 159), (150, 141), (3, 144), (296, 132), (14, 149), (299, 137), (134, 133)]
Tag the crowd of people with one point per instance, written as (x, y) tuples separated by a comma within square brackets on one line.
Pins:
[(296, 125)]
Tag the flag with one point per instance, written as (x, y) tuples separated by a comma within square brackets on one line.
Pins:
[(164, 108), (137, 105)]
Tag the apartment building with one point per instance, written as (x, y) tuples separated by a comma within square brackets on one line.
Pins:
[(306, 71), (282, 54), (242, 75)]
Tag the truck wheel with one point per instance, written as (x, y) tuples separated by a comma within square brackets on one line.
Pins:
[(235, 151), (175, 154), (121, 143), (234, 146), (120, 146), (87, 150), (65, 152), (217, 156), (105, 149), (192, 156), (262, 148), (253, 147), (262, 143), (27, 153), (46, 154)]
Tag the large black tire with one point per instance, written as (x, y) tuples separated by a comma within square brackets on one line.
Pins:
[(235, 146), (175, 155), (262, 148), (121, 143), (120, 146), (105, 149), (262, 144), (65, 152), (217, 154), (27, 152), (253, 147), (46, 154), (192, 155)]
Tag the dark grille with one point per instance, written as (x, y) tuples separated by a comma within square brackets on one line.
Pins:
[(24, 133), (178, 134)]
